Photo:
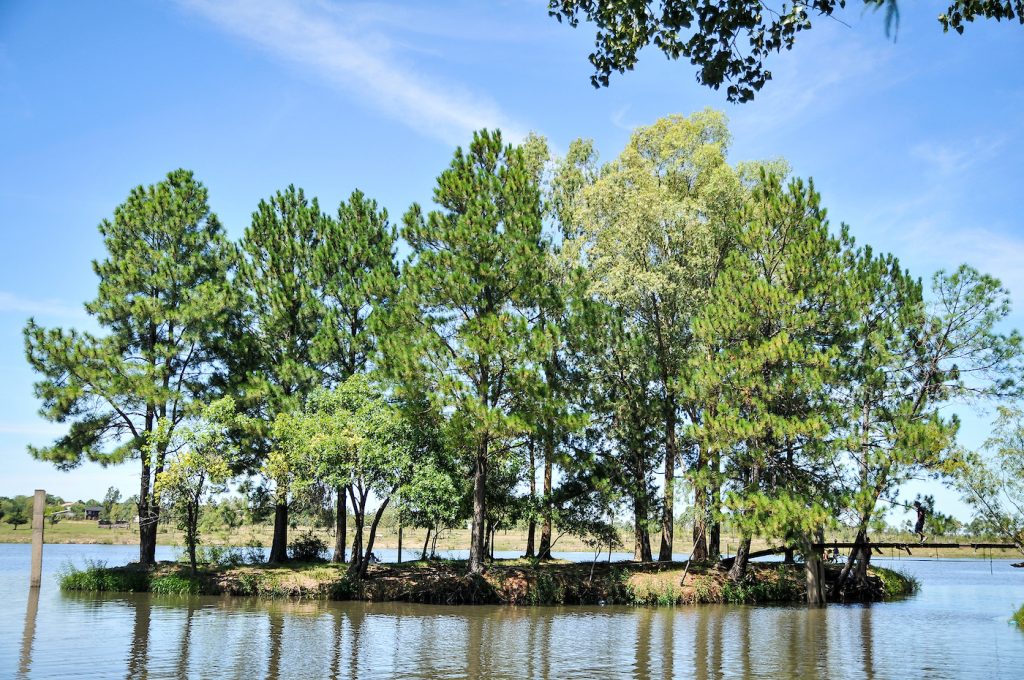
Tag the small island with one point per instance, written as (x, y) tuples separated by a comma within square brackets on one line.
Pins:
[(510, 582)]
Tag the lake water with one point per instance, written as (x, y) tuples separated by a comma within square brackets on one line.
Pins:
[(957, 627)]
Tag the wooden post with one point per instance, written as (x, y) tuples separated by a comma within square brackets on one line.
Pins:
[(38, 507)]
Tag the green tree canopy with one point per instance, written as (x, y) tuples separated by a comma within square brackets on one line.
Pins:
[(728, 41)]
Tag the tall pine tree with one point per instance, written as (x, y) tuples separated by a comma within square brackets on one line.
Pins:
[(476, 268), (355, 271), (163, 303), (278, 357)]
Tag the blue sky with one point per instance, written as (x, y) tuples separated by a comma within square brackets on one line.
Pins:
[(917, 144)]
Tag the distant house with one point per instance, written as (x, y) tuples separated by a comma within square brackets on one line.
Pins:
[(61, 514), (93, 511)]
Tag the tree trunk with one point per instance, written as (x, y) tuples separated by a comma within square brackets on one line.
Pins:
[(476, 545), (532, 529), (865, 560), (147, 537), (642, 539), (192, 519), (279, 548), (739, 564), (544, 552), (700, 512), (488, 531), (715, 501), (340, 526), (814, 570), (426, 542), (399, 542), (365, 562), (844, 575), (359, 514), (668, 516), (715, 540), (147, 517)]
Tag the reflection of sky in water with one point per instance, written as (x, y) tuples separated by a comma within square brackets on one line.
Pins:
[(957, 627)]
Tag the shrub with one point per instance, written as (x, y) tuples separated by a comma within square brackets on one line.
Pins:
[(546, 590), (307, 547), (896, 583), (705, 590), (782, 585), (97, 577)]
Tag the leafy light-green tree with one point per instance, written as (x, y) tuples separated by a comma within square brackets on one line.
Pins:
[(353, 437), (993, 484), (200, 467), (163, 302), (652, 230)]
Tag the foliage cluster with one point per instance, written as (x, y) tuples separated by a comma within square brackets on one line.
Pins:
[(730, 42), (307, 547), (895, 582)]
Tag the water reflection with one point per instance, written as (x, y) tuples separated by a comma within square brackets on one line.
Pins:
[(867, 643), (29, 634), (138, 655), (186, 639), (146, 636), (276, 635)]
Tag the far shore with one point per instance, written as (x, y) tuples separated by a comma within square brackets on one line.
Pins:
[(88, 532)]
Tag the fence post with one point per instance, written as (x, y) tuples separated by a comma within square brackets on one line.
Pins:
[(38, 507)]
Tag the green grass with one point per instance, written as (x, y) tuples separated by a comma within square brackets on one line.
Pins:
[(173, 584), (1018, 617), (895, 582), (96, 577)]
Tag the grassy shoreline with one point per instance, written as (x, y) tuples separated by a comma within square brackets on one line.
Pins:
[(510, 582)]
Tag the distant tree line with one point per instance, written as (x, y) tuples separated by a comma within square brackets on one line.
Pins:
[(565, 341)]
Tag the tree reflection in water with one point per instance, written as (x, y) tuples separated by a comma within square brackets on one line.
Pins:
[(138, 654)]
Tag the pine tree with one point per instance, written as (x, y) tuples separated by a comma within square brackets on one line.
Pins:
[(356, 273), (776, 317), (477, 265), (279, 359), (163, 300)]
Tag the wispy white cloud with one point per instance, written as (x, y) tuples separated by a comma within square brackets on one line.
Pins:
[(339, 49), (618, 119), (827, 70), (989, 250), (11, 303), (945, 158)]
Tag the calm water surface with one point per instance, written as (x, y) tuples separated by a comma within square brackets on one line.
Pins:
[(955, 628)]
